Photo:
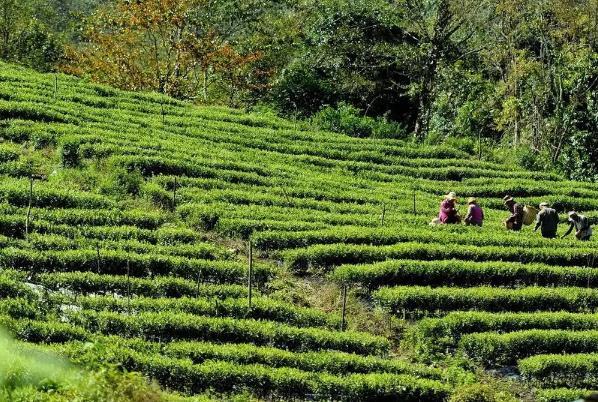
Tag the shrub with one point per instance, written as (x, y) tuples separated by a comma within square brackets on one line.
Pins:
[(121, 181), (492, 349), (558, 370), (488, 298), (157, 195), (181, 326), (347, 119), (480, 393), (560, 395), (69, 151)]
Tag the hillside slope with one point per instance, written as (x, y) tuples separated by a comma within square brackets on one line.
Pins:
[(134, 252)]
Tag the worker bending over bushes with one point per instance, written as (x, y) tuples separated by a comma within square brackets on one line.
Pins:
[(546, 218), (547, 221)]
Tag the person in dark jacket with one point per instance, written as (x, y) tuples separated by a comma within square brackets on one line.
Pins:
[(583, 230), (547, 220), (475, 214), (515, 221)]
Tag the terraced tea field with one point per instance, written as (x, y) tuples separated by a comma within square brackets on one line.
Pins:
[(132, 250)]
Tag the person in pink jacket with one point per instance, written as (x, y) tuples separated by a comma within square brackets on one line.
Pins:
[(475, 213), (448, 213)]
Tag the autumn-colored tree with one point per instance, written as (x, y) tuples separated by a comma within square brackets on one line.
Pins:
[(152, 45)]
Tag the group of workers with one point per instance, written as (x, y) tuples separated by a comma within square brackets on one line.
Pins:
[(547, 219)]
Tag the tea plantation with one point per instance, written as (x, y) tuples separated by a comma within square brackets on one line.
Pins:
[(125, 223)]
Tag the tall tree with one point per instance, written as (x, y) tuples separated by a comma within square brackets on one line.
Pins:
[(13, 14), (442, 30), (153, 44)]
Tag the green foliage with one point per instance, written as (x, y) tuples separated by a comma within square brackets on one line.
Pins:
[(22, 367), (323, 257), (580, 157), (432, 336), (423, 298), (348, 120), (491, 349), (70, 155), (121, 181), (262, 309), (155, 194), (37, 47), (182, 326), (503, 73), (224, 376), (460, 273), (560, 394), (332, 362), (464, 106), (141, 264), (29, 373), (480, 393), (128, 265), (348, 53), (300, 91), (557, 370), (89, 282)]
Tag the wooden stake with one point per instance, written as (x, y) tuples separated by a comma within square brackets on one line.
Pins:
[(55, 86), (344, 310), (591, 265), (198, 283), (479, 145), (98, 257), (29, 207), (250, 275), (414, 206), (128, 286), (174, 193), (383, 214)]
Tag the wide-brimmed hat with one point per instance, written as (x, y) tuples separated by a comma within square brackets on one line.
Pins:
[(544, 204), (451, 196), (572, 213), (472, 200), (508, 198)]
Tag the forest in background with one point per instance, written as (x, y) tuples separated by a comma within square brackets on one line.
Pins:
[(518, 78)]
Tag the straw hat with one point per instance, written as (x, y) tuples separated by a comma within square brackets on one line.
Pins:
[(572, 214), (508, 199), (451, 196), (544, 204), (472, 200)]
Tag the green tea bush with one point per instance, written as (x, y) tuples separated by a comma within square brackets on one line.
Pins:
[(69, 151), (560, 395), (181, 326), (423, 298), (121, 181), (432, 336), (160, 286), (262, 308), (493, 349), (157, 195), (558, 370)]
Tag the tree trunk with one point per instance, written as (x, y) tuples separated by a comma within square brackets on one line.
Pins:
[(425, 98), (205, 85)]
